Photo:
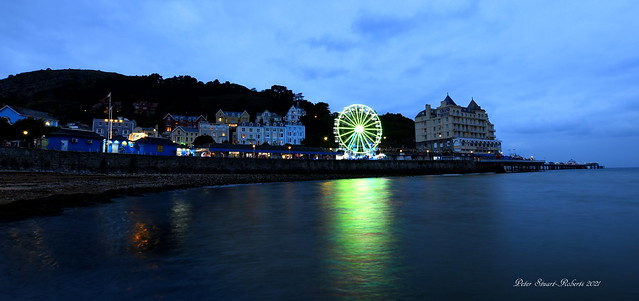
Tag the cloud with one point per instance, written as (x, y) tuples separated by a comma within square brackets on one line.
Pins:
[(331, 43), (380, 28), (311, 73)]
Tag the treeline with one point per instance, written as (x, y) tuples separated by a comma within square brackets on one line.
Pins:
[(80, 95)]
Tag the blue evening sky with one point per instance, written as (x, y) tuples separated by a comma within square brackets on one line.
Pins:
[(559, 79)]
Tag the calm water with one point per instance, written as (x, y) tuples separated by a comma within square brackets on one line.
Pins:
[(464, 237)]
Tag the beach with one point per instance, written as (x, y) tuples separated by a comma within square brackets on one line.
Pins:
[(32, 193)]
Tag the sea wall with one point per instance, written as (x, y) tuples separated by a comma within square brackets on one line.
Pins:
[(60, 161)]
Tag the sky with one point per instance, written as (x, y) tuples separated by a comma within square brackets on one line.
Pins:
[(559, 79)]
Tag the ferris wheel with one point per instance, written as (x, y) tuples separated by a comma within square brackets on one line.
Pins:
[(358, 130)]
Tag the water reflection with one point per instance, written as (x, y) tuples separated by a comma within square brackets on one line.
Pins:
[(30, 245), (181, 217), (360, 255)]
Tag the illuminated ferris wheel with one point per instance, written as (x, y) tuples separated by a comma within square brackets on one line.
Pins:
[(358, 130)]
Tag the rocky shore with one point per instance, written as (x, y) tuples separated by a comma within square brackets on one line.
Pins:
[(43, 193)]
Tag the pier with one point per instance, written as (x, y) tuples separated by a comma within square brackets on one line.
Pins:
[(512, 165), (559, 166)]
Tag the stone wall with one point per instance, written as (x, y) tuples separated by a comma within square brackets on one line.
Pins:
[(60, 161)]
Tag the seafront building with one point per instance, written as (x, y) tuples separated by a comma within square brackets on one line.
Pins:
[(233, 119), (294, 114), (120, 126), (219, 132), (184, 135), (453, 129), (170, 122), (273, 134), (13, 114), (270, 129)]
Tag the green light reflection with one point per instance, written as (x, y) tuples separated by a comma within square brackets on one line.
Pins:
[(361, 247)]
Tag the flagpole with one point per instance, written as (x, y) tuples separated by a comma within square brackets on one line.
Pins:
[(110, 118)]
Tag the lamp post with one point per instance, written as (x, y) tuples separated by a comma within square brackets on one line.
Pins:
[(254, 151), (289, 152), (25, 133)]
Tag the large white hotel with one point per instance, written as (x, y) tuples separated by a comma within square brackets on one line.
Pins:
[(453, 129)]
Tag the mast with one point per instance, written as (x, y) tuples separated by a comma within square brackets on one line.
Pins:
[(110, 118)]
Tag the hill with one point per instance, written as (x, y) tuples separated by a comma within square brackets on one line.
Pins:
[(80, 95)]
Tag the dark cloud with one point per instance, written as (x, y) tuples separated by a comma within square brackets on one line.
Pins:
[(379, 27), (314, 73), (331, 43)]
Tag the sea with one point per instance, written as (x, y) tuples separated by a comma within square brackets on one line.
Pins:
[(552, 235)]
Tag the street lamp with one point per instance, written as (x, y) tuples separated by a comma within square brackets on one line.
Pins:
[(25, 133)]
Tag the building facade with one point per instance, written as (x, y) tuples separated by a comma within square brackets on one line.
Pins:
[(274, 134), (294, 114), (73, 140), (453, 129), (233, 119), (13, 114), (170, 122), (184, 136), (267, 117), (295, 133), (155, 146), (219, 132), (120, 127)]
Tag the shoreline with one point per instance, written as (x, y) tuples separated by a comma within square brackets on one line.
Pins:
[(26, 194)]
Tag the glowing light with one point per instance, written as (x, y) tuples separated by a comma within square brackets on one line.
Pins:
[(360, 235), (358, 130)]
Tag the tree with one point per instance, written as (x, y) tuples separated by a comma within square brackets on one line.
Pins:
[(7, 131), (29, 129), (398, 131), (201, 140), (319, 128)]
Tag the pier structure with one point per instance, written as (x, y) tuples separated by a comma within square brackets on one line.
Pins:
[(512, 165), (560, 166)]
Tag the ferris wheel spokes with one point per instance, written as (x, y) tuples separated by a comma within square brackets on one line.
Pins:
[(358, 130)]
